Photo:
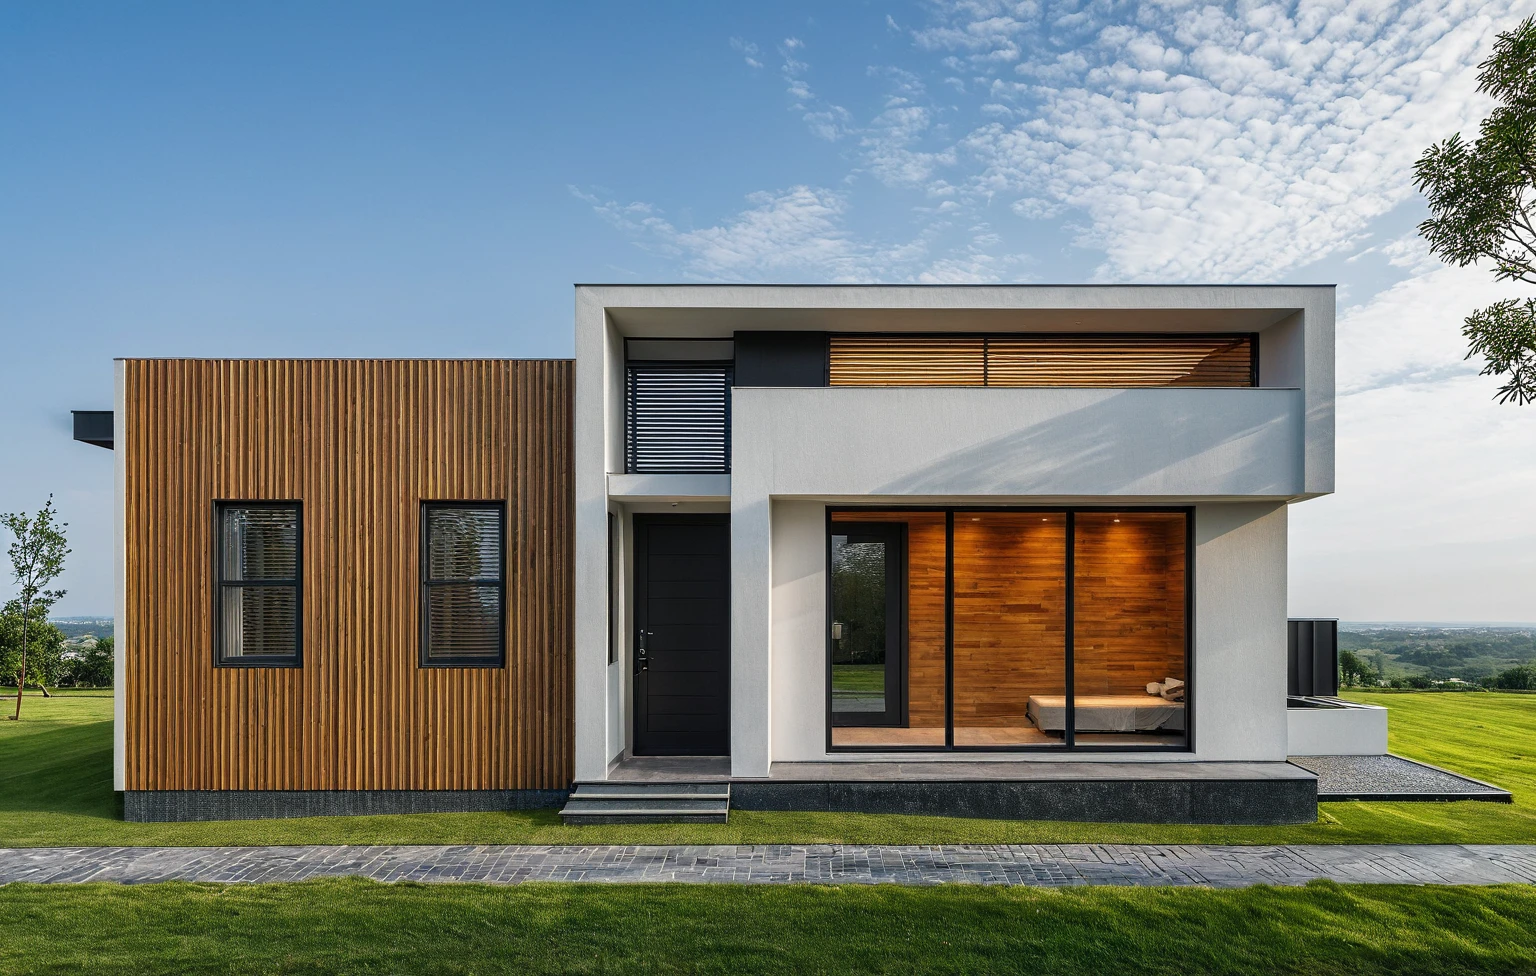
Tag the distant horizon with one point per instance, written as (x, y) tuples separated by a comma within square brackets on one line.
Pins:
[(1441, 624)]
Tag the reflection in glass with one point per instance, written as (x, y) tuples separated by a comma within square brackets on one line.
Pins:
[(859, 626)]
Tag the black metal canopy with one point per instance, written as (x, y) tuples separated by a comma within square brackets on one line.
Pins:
[(94, 427)]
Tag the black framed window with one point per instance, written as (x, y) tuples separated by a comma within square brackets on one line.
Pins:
[(463, 591), (259, 594), (1007, 628)]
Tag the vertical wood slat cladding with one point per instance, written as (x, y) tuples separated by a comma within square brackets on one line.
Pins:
[(360, 444), (1031, 361), (1129, 624)]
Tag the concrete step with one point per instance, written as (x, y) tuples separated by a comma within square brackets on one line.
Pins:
[(619, 802), (656, 791)]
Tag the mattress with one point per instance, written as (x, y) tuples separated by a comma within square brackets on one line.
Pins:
[(1107, 713)]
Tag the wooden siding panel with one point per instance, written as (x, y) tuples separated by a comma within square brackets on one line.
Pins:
[(360, 444), (1038, 360)]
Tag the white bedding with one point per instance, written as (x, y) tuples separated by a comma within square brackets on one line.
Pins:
[(1107, 713)]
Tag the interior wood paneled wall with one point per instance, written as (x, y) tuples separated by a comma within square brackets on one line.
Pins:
[(1129, 593), (360, 444), (1010, 614)]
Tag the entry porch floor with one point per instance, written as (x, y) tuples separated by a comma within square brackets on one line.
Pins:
[(1063, 790), (717, 769)]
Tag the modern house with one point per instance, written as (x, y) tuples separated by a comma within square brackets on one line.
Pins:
[(1007, 550)]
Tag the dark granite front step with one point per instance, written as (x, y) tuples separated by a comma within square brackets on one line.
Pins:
[(610, 802)]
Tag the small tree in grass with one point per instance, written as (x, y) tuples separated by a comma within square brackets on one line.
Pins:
[(42, 657), (37, 559)]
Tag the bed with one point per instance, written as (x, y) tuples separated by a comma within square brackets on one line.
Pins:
[(1107, 713)]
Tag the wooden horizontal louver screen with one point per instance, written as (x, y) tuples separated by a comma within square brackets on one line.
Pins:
[(918, 361), (678, 418), (1020, 361)]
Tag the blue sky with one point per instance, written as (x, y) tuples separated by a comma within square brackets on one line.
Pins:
[(424, 180)]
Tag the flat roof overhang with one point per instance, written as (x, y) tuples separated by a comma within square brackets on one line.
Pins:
[(695, 311)]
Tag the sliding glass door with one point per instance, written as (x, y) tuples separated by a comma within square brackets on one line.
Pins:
[(887, 630), (1008, 629)]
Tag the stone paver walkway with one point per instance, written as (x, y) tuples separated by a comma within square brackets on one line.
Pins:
[(1030, 864)]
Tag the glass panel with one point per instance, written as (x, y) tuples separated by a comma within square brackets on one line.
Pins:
[(914, 706), (464, 621), (858, 627), (260, 543), (260, 621), (464, 543), (1010, 628), (1129, 625)]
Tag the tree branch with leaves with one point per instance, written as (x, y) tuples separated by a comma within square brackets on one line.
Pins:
[(1482, 202), (37, 558)]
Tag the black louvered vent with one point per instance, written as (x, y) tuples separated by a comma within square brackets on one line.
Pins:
[(678, 418)]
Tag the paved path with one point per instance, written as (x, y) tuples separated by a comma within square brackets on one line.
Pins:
[(1030, 864)]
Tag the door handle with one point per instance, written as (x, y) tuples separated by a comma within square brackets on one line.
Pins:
[(643, 658)]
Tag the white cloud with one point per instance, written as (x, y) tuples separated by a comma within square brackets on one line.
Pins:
[(748, 52), (800, 234), (1208, 142), (824, 119)]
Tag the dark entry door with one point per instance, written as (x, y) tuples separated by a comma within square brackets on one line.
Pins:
[(683, 644)]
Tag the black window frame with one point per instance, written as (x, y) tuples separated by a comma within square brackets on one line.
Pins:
[(220, 584), (613, 648), (893, 535), (1071, 745), (424, 658)]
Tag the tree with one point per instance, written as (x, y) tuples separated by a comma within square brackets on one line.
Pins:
[(1481, 199), (94, 668), (1356, 671), (42, 660), (37, 559), (1519, 678)]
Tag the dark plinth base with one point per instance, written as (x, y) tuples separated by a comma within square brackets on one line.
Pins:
[(164, 806), (1203, 801)]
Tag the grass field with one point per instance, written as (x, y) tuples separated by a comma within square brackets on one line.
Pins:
[(353, 926), (56, 790)]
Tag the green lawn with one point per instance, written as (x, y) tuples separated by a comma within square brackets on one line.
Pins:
[(858, 679), (56, 769), (352, 926)]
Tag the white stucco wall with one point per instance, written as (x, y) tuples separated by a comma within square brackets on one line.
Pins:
[(122, 646), (1356, 730), (1016, 443), (1240, 631), (595, 367)]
